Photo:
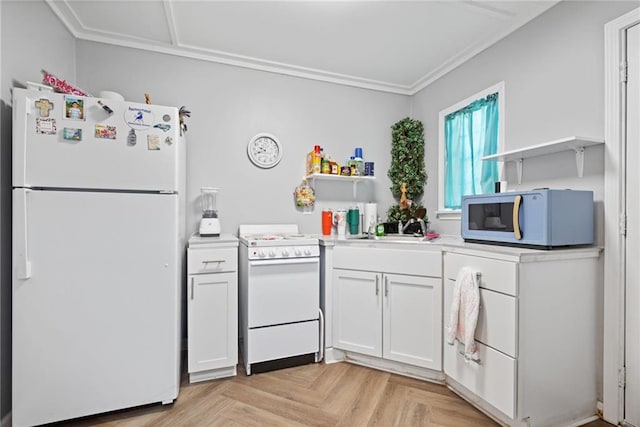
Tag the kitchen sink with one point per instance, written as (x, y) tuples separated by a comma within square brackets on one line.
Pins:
[(395, 238)]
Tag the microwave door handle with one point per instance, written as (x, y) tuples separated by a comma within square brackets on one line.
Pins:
[(516, 217)]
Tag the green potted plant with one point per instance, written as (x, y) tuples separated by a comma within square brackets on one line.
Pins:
[(407, 171)]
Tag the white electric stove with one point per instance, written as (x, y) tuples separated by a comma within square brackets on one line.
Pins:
[(280, 317)]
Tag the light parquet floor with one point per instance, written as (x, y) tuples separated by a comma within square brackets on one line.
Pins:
[(340, 394)]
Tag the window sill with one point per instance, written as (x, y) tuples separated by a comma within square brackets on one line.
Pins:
[(448, 215)]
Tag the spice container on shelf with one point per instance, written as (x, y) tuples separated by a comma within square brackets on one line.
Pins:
[(335, 168), (325, 166)]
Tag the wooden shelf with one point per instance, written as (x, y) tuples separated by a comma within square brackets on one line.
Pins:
[(353, 179), (572, 143)]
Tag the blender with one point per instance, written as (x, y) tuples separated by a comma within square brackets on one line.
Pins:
[(209, 224)]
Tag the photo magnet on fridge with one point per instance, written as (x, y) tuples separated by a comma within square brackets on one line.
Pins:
[(46, 125), (105, 132), (44, 106), (72, 134), (73, 108)]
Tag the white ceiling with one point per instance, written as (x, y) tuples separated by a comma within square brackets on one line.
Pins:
[(393, 46)]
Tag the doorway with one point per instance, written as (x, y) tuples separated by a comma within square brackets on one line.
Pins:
[(621, 347)]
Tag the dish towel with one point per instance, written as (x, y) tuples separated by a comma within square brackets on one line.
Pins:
[(464, 312)]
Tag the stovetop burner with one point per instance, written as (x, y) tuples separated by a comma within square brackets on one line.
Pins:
[(264, 237), (274, 235)]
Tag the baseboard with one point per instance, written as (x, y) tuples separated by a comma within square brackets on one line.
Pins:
[(6, 420), (583, 421), (393, 367)]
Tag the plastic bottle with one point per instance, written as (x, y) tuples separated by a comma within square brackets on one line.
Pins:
[(358, 162), (352, 165), (379, 228)]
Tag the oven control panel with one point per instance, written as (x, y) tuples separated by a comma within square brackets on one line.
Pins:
[(279, 252)]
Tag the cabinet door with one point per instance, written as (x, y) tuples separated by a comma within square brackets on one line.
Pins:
[(357, 311), (412, 320), (212, 321)]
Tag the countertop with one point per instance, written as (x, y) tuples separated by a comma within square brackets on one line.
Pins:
[(197, 240), (455, 244)]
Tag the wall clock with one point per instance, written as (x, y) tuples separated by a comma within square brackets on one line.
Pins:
[(264, 150)]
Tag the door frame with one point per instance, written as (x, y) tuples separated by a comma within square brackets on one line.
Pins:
[(614, 209)]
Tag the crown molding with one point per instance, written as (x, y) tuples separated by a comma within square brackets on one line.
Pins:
[(175, 48)]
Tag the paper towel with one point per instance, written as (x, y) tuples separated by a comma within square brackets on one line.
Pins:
[(370, 216)]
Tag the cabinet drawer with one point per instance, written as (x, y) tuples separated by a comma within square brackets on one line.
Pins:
[(493, 379), (212, 260), (497, 319), (399, 261), (497, 275), (278, 342)]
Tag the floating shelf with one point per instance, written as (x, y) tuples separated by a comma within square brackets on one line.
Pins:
[(573, 143), (353, 179)]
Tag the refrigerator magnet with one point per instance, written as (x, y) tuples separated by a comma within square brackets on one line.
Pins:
[(72, 134), (46, 125), (163, 127), (73, 108), (138, 118), (168, 140), (153, 142), (44, 106), (132, 138), (105, 132), (105, 107), (166, 118)]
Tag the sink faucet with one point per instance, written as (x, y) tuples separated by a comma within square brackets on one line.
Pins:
[(406, 225), (423, 226)]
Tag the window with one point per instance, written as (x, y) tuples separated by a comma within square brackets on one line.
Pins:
[(469, 130)]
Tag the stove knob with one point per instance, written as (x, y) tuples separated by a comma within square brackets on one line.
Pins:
[(285, 252), (261, 253), (272, 253), (307, 251), (298, 252)]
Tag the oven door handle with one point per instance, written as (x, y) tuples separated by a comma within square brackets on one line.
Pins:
[(517, 202), (266, 262)]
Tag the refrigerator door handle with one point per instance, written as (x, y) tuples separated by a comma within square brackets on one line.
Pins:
[(23, 264), (21, 109)]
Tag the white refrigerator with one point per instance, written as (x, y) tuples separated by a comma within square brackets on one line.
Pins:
[(98, 243)]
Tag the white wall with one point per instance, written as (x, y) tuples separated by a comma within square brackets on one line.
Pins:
[(553, 73), (32, 38), (230, 105)]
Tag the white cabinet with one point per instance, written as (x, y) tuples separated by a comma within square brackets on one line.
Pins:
[(412, 313), (357, 311), (385, 314), (212, 307), (536, 334)]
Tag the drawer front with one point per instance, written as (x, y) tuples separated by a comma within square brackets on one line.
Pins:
[(497, 275), (278, 342), (493, 379), (497, 319), (399, 261), (212, 260)]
